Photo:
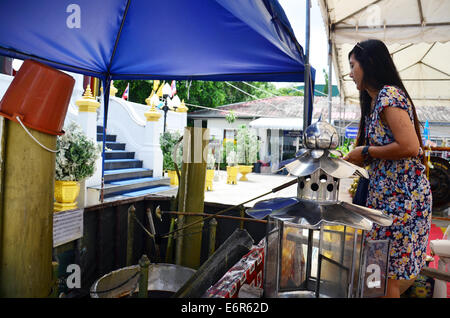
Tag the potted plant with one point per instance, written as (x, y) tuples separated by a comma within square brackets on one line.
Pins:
[(75, 161), (232, 169), (247, 150), (168, 140), (210, 165), (227, 147)]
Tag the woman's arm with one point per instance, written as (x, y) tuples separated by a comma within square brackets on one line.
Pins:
[(405, 145)]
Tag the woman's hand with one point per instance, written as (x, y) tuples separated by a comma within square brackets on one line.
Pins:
[(355, 156)]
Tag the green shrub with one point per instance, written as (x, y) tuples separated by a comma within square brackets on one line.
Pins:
[(76, 155)]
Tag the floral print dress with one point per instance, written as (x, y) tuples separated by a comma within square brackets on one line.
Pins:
[(401, 189)]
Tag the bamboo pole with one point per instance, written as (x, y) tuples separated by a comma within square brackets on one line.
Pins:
[(54, 293), (153, 232), (212, 236), (281, 187), (130, 235), (27, 197), (237, 218), (192, 194), (2, 173), (242, 214), (144, 263), (169, 249)]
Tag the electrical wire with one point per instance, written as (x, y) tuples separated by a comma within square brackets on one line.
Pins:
[(254, 97)]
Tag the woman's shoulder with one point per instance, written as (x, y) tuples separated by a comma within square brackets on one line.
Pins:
[(392, 96), (392, 91)]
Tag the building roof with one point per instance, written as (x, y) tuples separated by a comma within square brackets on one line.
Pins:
[(292, 106)]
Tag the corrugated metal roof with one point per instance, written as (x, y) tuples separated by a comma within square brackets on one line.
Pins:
[(292, 106)]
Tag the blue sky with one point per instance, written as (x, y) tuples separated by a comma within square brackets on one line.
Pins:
[(318, 49)]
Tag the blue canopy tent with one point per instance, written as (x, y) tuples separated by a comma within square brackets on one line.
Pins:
[(208, 40)]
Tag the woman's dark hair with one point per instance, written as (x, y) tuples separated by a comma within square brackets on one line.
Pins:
[(379, 70)]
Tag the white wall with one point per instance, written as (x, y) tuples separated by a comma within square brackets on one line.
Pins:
[(125, 119), (5, 80), (218, 125)]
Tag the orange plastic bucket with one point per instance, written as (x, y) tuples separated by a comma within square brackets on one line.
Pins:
[(40, 96)]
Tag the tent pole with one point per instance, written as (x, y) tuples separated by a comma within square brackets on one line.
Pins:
[(330, 86), (106, 88), (307, 69)]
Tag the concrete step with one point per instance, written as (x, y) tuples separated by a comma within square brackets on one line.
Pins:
[(148, 191), (119, 154), (123, 174), (115, 145), (112, 164), (132, 185), (108, 137)]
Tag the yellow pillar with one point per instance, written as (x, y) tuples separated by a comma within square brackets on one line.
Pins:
[(95, 85), (152, 114), (112, 90), (27, 213), (87, 103), (87, 119), (182, 108), (192, 195)]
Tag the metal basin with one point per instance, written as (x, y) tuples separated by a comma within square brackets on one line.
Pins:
[(163, 281)]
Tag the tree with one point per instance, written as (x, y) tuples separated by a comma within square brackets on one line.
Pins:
[(289, 91), (325, 89), (138, 92), (205, 93)]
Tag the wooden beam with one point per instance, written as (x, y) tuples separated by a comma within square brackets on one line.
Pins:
[(27, 213)]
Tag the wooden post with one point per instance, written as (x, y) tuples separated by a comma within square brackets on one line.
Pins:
[(27, 198), (192, 195)]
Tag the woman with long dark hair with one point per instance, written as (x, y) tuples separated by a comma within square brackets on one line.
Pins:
[(389, 142)]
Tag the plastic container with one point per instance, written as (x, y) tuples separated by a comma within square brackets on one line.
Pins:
[(40, 96)]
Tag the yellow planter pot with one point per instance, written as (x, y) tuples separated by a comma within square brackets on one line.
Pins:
[(209, 180), (66, 194), (173, 177), (232, 172), (244, 170)]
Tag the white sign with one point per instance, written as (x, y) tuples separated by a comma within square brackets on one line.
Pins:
[(67, 226)]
